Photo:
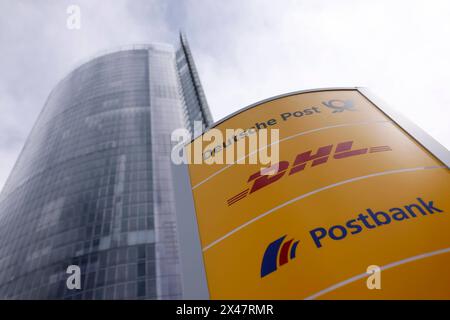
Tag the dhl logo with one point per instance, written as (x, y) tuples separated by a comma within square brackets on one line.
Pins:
[(267, 176)]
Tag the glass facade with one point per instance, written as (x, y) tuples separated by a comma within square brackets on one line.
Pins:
[(195, 101), (92, 186)]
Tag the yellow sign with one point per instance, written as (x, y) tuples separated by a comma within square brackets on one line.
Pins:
[(351, 190)]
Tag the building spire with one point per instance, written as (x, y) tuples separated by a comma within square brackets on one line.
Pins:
[(204, 108)]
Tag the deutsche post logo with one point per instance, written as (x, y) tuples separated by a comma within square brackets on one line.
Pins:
[(339, 105)]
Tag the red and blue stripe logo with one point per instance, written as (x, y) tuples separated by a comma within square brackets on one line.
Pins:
[(278, 254)]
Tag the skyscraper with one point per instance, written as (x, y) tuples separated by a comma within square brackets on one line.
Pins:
[(92, 186)]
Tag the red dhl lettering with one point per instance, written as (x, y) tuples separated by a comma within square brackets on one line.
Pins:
[(267, 176)]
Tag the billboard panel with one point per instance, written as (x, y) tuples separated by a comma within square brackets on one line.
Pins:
[(351, 190)]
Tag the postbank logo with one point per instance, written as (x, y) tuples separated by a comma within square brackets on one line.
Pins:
[(278, 254), (272, 174)]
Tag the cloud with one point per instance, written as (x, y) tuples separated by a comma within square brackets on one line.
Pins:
[(395, 48), (38, 51), (245, 51)]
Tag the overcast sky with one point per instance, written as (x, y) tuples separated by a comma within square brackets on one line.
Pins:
[(245, 51)]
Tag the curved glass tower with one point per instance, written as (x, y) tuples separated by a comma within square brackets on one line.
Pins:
[(92, 186)]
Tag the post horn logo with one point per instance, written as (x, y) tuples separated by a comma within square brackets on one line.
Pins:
[(272, 260), (339, 105)]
